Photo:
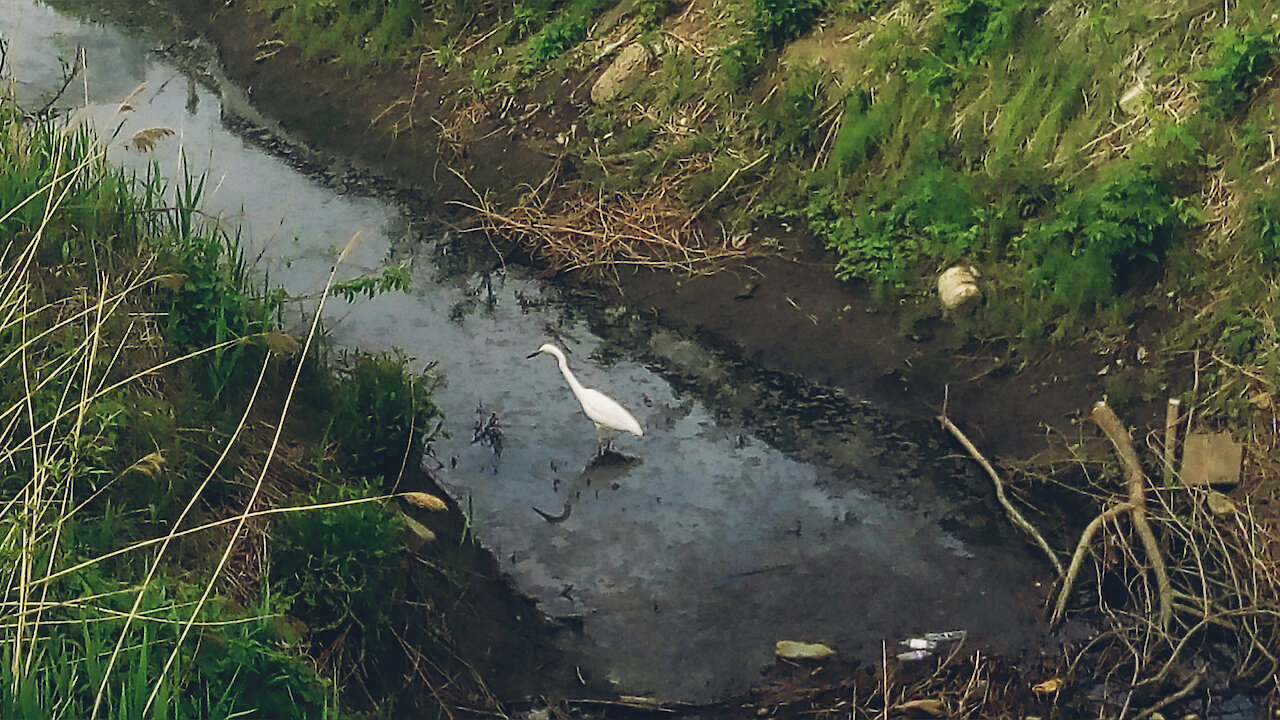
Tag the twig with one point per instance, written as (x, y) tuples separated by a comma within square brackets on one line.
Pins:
[(1136, 483), (1186, 690), (716, 194), (1014, 516), (1170, 436)]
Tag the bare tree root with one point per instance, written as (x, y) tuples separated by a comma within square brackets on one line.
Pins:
[(1136, 484), (1014, 516)]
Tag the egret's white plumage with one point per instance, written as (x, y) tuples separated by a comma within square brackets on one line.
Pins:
[(603, 410)]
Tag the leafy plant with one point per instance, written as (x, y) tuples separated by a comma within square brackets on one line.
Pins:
[(932, 213), (1265, 221), (1102, 236), (382, 417), (560, 35), (862, 128), (337, 565), (1242, 58), (742, 60), (780, 21)]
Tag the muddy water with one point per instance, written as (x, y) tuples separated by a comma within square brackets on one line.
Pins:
[(755, 508)]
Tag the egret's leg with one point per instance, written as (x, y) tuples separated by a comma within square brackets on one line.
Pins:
[(599, 439)]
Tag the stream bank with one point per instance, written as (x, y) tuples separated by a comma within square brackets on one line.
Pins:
[(788, 312), (780, 289)]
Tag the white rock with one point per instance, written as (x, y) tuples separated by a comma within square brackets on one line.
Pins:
[(958, 288)]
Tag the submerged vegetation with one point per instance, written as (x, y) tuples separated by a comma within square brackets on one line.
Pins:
[(179, 539)]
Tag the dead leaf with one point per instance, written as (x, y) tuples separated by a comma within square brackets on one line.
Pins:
[(421, 533), (923, 708), (151, 464), (146, 139), (791, 650), (1048, 687), (281, 342), (426, 500), (127, 104)]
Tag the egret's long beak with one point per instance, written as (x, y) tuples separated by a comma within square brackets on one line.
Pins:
[(532, 354)]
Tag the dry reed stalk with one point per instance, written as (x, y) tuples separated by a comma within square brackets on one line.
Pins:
[(606, 233)]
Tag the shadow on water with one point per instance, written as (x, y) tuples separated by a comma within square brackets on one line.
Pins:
[(757, 507)]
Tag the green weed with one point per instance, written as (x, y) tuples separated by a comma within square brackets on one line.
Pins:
[(1241, 59), (561, 34), (1102, 237), (791, 122), (383, 418), (1265, 225), (338, 565)]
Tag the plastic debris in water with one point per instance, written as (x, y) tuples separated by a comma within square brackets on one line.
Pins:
[(921, 647)]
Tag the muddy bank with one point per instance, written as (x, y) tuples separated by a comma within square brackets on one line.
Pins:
[(788, 313)]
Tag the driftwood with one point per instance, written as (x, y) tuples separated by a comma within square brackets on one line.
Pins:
[(1136, 507), (1014, 516)]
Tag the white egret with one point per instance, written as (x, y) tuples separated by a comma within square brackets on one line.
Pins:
[(603, 410)]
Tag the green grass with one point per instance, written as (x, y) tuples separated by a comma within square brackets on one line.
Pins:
[(143, 378)]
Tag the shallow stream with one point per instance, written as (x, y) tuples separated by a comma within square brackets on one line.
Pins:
[(756, 507)]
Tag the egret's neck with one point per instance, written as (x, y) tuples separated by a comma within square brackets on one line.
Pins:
[(568, 376)]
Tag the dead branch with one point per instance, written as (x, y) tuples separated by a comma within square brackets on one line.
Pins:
[(1077, 559), (1014, 516), (1136, 484)]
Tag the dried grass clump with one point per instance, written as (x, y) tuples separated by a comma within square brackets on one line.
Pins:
[(601, 234)]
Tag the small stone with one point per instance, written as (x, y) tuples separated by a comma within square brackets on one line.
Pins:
[(618, 79)]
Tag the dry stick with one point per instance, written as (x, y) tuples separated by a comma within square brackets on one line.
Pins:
[(716, 194), (1077, 559), (1014, 516), (1186, 690), (1135, 482), (1170, 436)]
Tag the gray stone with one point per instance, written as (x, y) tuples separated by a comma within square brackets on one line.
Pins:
[(620, 78)]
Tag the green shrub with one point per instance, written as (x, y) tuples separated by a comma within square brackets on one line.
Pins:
[(780, 21), (560, 35), (382, 418), (1241, 60), (338, 565), (742, 60), (556, 38), (932, 214), (1102, 237)]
